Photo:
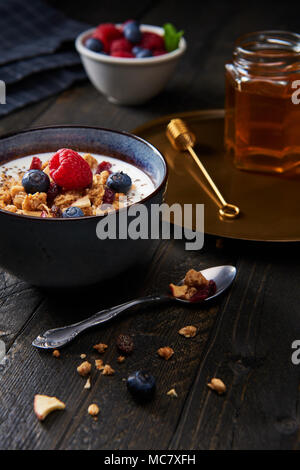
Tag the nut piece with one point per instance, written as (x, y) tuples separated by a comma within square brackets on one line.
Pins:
[(88, 384), (99, 364), (172, 393), (34, 202), (82, 356), (56, 353), (194, 278), (93, 163), (93, 410), (107, 370), (165, 352), (217, 385), (84, 368), (125, 344), (101, 347), (43, 405), (121, 359), (188, 331), (82, 202)]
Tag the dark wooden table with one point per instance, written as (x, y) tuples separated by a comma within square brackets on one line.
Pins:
[(245, 338)]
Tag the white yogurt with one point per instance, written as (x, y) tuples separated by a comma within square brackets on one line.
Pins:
[(142, 184)]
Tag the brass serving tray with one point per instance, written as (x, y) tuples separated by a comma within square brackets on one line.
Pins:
[(270, 205)]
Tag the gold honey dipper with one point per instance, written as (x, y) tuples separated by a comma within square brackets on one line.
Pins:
[(183, 139)]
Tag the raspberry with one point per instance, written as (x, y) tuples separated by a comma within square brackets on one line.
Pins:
[(36, 164), (128, 55), (120, 45), (107, 32), (103, 166), (69, 170), (152, 41), (204, 292), (108, 197), (158, 52), (52, 192)]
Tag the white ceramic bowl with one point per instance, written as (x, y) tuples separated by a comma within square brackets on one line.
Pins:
[(128, 81)]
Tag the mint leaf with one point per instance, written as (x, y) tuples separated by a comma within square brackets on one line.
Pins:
[(172, 37)]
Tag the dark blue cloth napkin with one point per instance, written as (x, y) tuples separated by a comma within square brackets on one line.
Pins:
[(37, 54), (30, 28)]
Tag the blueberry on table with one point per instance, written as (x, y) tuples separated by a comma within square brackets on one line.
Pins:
[(132, 31), (119, 182), (142, 54), (94, 44), (35, 181), (141, 384), (72, 212)]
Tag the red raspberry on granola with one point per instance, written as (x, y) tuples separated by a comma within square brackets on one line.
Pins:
[(36, 164), (69, 170), (103, 166)]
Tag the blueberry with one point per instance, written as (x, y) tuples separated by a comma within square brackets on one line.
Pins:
[(35, 181), (119, 182), (141, 384), (136, 50), (143, 54), (132, 32), (72, 212), (94, 44)]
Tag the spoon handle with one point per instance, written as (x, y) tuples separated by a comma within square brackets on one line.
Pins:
[(59, 337), (106, 315)]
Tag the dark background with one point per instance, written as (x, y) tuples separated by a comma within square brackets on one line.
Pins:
[(211, 28)]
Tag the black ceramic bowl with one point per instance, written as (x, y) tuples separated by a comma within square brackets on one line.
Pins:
[(67, 252)]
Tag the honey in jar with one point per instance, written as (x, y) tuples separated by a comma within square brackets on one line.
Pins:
[(262, 107)]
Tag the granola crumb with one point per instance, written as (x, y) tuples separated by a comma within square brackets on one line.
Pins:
[(87, 385), (172, 393), (107, 370), (99, 364), (84, 368), (121, 359), (93, 163), (195, 278), (101, 347), (165, 352), (82, 356), (188, 331), (93, 410), (56, 353), (217, 385)]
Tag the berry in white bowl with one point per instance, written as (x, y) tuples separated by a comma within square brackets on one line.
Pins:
[(130, 63)]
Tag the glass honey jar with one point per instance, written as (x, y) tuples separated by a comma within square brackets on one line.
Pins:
[(262, 105)]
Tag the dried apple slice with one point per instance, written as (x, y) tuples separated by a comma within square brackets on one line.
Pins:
[(178, 291), (43, 405)]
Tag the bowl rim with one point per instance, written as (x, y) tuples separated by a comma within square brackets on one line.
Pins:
[(98, 57), (89, 217)]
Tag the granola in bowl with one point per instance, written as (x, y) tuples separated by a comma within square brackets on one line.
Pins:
[(67, 184)]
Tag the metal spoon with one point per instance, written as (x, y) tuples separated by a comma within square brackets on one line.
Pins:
[(58, 337)]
